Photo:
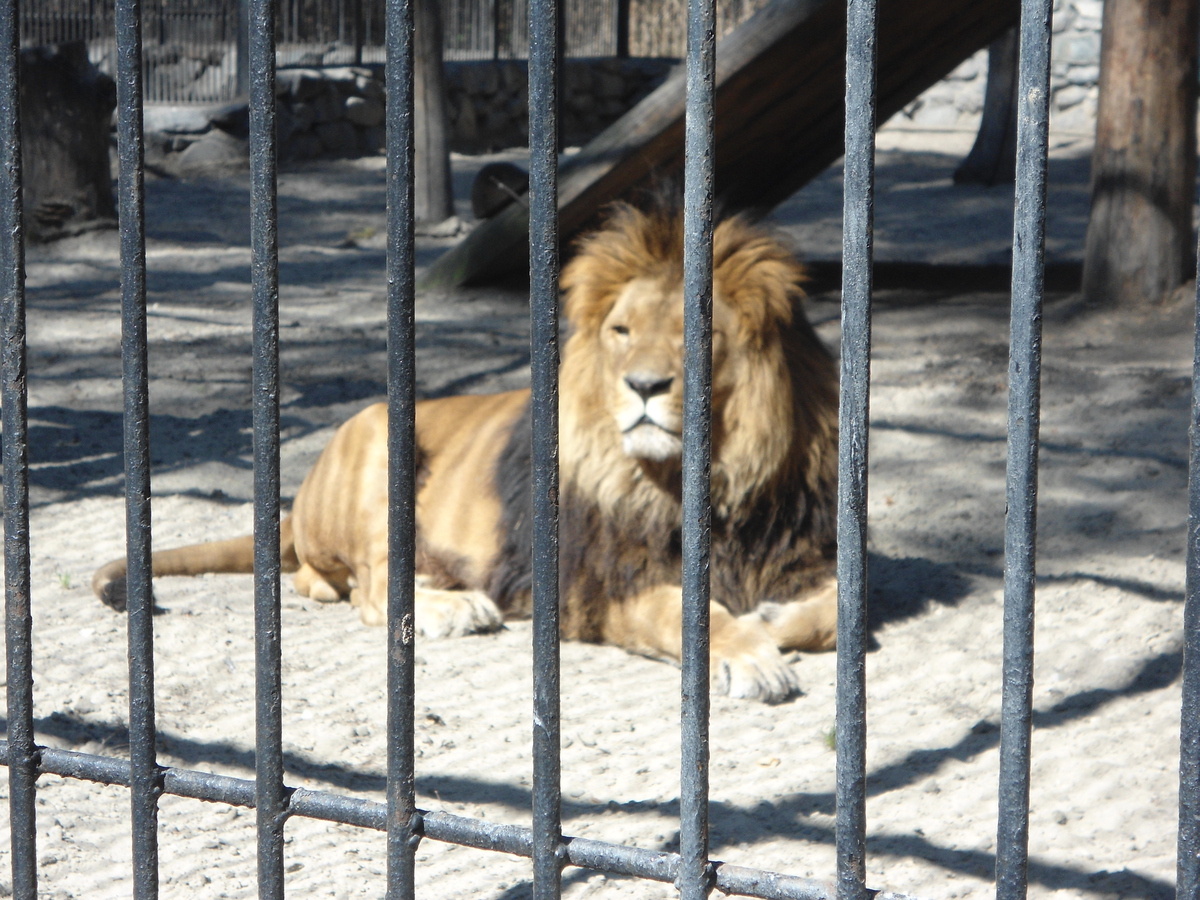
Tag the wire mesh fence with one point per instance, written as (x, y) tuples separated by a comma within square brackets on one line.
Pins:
[(190, 47)]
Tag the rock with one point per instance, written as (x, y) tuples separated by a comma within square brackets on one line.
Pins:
[(233, 118), (299, 84), (370, 89), (372, 140), (303, 117), (217, 149), (303, 146), (177, 119), (329, 106), (363, 112), (339, 138)]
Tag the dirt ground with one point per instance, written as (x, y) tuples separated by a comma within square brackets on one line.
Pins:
[(1112, 525)]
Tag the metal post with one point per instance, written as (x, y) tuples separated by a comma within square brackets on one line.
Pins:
[(544, 63), (22, 753), (854, 416), (1187, 881), (243, 48), (143, 760), (403, 820), (623, 29), (271, 799), (357, 11), (695, 873), (1024, 411)]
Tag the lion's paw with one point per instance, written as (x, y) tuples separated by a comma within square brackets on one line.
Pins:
[(113, 594), (455, 613), (759, 674)]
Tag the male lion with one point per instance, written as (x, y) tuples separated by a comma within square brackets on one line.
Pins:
[(774, 433)]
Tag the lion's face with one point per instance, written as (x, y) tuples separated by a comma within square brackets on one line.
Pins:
[(641, 343), (774, 389)]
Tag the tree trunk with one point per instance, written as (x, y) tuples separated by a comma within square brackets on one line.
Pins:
[(434, 199), (993, 159), (1139, 237), (66, 110)]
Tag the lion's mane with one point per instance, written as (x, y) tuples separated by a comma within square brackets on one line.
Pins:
[(774, 463)]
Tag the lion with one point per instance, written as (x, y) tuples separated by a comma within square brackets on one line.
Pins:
[(773, 476)]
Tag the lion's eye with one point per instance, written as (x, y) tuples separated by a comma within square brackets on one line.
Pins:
[(621, 330)]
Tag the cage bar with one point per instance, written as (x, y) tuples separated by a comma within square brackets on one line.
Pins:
[(264, 277), (403, 822), (143, 760), (695, 874), (544, 61), (599, 856), (857, 247), (1024, 411), (18, 621), (1187, 875)]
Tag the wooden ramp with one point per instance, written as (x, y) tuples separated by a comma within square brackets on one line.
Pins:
[(780, 117)]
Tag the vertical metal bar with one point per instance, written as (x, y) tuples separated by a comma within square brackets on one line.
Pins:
[(264, 273), (857, 237), (544, 62), (403, 826), (22, 754), (357, 9), (694, 879), (1024, 413), (143, 760), (622, 26), (495, 5), (243, 47), (1187, 881)]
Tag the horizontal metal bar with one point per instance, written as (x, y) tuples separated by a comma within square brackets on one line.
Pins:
[(599, 856)]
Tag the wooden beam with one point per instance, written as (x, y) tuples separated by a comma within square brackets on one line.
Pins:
[(780, 117)]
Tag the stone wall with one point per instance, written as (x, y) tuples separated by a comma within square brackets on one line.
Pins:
[(488, 109), (1075, 70), (339, 111)]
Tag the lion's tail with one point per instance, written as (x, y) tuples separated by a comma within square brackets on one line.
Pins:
[(235, 555)]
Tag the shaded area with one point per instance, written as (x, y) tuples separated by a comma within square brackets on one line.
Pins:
[(72, 450), (903, 587)]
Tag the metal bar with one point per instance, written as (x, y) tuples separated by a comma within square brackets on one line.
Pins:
[(1187, 880), (403, 822), (599, 856), (622, 26), (18, 620), (357, 11), (854, 418), (695, 873), (1024, 413), (143, 760), (264, 273), (545, 46)]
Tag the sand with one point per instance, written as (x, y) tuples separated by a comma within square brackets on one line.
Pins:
[(1112, 526)]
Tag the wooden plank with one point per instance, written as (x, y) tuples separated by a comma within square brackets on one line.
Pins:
[(780, 118)]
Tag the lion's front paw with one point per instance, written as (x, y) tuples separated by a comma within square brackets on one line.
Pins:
[(747, 664), (455, 613)]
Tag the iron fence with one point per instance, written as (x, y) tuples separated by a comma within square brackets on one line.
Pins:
[(691, 869), (190, 47)]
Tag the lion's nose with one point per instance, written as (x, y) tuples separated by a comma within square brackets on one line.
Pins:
[(647, 386)]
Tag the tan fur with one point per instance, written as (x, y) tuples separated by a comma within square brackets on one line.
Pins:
[(774, 436)]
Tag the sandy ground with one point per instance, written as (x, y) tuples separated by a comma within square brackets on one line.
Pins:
[(1109, 598)]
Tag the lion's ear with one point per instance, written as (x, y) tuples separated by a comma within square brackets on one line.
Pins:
[(759, 279), (587, 297), (629, 243)]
